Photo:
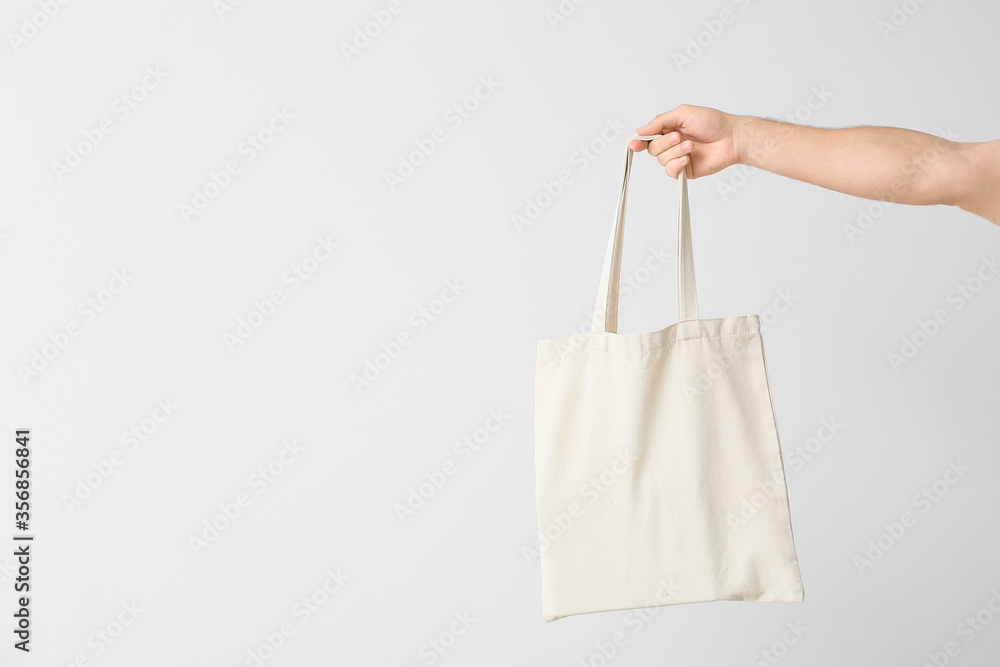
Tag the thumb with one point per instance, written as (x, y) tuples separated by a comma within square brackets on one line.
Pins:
[(663, 123)]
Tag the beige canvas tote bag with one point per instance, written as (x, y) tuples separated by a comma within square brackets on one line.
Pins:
[(659, 477)]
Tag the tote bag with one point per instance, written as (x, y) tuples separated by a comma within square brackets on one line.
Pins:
[(659, 477)]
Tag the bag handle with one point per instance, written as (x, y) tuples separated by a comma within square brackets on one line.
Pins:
[(606, 309)]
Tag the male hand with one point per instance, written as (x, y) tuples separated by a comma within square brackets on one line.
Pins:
[(701, 137)]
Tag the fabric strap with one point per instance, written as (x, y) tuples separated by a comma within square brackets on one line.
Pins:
[(606, 308)]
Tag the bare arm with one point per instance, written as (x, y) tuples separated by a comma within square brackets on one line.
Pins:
[(884, 163)]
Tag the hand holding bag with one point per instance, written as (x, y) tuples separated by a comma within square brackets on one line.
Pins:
[(659, 477)]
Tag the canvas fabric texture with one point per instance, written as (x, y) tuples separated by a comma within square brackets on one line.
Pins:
[(659, 477)]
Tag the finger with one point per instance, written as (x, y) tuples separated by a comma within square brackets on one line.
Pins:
[(674, 167), (637, 145), (657, 146), (675, 152), (664, 122)]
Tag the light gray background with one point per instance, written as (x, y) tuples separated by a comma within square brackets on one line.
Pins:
[(333, 507)]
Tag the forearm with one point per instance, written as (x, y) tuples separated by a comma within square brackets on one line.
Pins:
[(884, 163)]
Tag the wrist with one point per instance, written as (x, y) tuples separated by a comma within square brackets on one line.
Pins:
[(743, 133)]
